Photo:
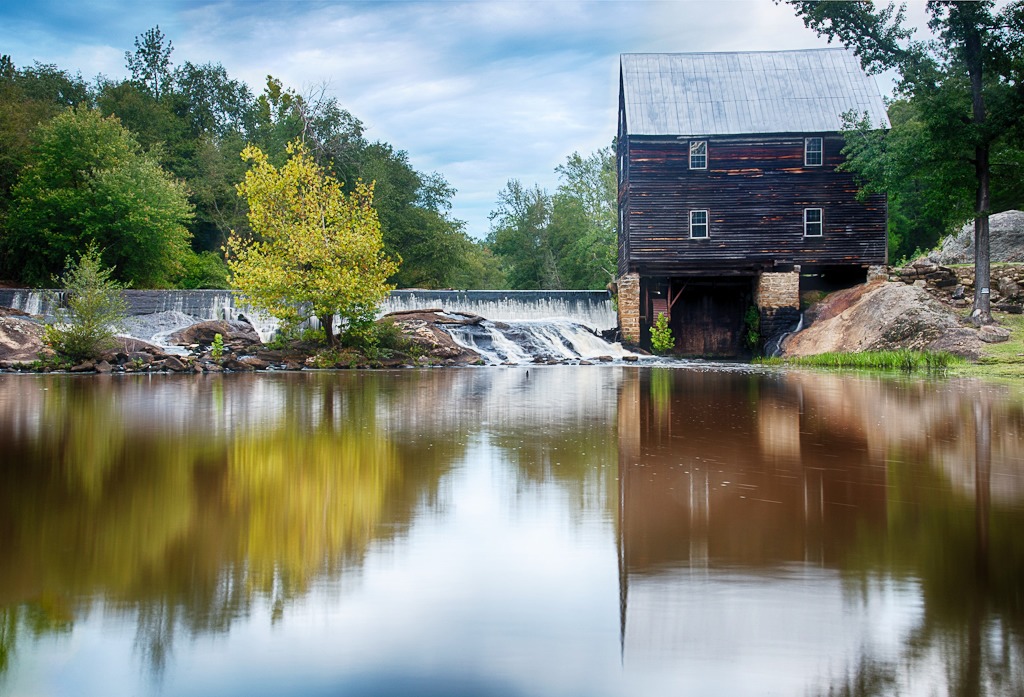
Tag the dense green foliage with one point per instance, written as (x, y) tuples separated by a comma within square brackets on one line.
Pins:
[(175, 132), (86, 181), (954, 152), (931, 193), (90, 309), (561, 241)]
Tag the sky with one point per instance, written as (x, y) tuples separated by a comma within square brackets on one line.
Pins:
[(480, 92)]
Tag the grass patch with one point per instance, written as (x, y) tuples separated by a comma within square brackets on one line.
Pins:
[(1003, 360), (903, 360)]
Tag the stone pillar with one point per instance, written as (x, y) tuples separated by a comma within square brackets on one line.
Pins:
[(629, 307), (778, 298)]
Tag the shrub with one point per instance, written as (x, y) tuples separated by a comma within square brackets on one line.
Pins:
[(662, 340), (375, 339), (90, 310)]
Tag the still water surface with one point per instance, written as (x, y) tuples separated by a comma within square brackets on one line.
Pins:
[(566, 531)]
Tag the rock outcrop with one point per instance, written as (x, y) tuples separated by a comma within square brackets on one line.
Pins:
[(21, 337), (425, 329), (234, 333), (1006, 241), (881, 316)]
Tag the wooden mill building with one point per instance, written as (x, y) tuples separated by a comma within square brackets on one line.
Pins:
[(730, 195)]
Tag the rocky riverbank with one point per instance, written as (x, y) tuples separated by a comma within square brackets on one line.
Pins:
[(423, 343)]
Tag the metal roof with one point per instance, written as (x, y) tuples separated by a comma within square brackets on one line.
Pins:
[(695, 94)]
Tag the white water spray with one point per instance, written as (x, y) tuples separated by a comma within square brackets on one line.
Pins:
[(532, 341)]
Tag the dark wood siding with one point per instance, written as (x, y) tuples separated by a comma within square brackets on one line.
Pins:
[(755, 190)]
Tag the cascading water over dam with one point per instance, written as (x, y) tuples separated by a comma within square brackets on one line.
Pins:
[(531, 341), (522, 326)]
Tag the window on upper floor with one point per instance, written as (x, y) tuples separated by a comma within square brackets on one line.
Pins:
[(699, 225), (814, 222), (698, 154), (813, 154)]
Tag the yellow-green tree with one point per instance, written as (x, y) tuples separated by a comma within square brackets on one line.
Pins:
[(316, 251)]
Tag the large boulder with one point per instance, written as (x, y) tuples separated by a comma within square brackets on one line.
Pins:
[(882, 316), (1006, 241), (237, 333), (21, 337), (426, 329)]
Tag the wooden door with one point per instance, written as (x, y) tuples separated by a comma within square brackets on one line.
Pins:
[(708, 320)]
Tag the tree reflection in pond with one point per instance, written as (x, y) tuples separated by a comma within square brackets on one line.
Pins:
[(786, 532), (182, 520)]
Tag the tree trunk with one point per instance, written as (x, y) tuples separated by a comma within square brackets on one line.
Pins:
[(981, 312), (327, 322)]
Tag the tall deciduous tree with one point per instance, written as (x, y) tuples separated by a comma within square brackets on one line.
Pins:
[(316, 251), (565, 240), (29, 96), (965, 83), (150, 63), (87, 180), (415, 220), (584, 217), (520, 236)]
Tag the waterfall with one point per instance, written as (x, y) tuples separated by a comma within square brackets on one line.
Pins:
[(589, 307), (523, 325), (773, 347), (164, 311), (592, 308), (530, 341)]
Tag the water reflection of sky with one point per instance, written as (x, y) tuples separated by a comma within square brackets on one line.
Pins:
[(564, 531)]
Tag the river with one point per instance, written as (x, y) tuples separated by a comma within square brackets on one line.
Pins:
[(562, 531)]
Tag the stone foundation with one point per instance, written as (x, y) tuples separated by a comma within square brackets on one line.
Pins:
[(778, 298), (629, 307)]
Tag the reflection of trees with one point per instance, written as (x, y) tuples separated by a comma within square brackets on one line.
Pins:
[(186, 524), (310, 501), (46, 616)]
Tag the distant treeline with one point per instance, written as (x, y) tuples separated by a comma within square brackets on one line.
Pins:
[(147, 167)]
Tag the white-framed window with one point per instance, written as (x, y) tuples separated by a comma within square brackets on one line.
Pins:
[(698, 154), (813, 153), (699, 225), (814, 222)]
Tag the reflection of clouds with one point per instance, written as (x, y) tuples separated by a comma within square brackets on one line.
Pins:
[(778, 632), (496, 399)]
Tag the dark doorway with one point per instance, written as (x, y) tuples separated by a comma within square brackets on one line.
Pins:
[(707, 319)]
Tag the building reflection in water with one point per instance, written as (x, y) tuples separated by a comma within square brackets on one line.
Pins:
[(811, 532)]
